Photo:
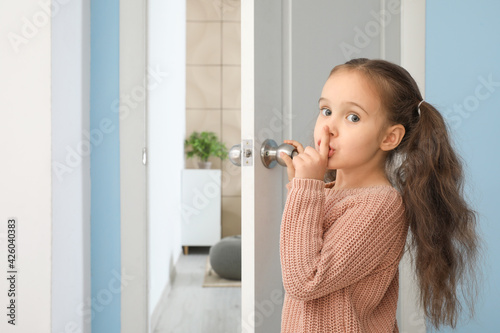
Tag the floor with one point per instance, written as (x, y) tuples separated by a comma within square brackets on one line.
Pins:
[(194, 309)]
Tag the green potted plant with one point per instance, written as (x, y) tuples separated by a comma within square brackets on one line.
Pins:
[(204, 145)]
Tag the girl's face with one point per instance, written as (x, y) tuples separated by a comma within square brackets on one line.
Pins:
[(352, 110)]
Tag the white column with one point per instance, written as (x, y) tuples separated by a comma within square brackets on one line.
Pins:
[(25, 165), (71, 144)]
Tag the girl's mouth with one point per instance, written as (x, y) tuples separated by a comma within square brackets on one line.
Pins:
[(330, 152)]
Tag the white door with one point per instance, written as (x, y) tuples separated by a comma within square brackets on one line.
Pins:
[(288, 50), (133, 185)]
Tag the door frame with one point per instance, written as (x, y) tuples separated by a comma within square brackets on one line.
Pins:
[(411, 315), (133, 181)]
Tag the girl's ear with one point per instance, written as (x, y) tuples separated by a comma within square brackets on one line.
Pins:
[(393, 136)]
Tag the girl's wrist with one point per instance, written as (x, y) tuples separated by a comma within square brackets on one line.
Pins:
[(308, 183)]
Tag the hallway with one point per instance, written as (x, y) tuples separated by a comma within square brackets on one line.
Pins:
[(192, 308)]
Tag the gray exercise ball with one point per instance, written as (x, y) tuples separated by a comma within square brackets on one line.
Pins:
[(225, 257)]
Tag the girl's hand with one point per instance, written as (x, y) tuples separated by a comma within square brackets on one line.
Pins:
[(310, 163), (288, 160)]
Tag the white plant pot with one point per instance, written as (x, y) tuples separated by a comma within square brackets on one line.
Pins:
[(204, 165)]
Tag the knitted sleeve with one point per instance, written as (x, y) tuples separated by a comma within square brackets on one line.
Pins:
[(314, 263)]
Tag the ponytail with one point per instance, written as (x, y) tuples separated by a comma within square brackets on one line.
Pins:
[(442, 225)]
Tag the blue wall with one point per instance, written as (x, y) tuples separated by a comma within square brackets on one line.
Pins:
[(462, 56), (105, 167)]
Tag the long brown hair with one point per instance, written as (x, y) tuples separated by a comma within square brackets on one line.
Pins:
[(444, 244)]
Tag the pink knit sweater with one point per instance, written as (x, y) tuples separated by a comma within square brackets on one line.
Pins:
[(340, 250)]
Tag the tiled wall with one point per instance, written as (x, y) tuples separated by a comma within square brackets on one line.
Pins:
[(213, 91)]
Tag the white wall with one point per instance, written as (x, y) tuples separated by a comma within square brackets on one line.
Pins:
[(166, 133), (70, 188), (25, 165)]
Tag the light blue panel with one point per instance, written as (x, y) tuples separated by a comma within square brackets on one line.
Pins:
[(463, 81), (105, 168)]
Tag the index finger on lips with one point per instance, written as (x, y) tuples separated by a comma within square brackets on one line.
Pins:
[(325, 142)]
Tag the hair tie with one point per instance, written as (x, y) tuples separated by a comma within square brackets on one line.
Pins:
[(419, 107)]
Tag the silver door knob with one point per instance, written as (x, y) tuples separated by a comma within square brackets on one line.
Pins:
[(269, 153), (235, 155)]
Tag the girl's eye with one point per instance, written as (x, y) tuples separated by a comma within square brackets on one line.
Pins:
[(326, 112), (352, 117)]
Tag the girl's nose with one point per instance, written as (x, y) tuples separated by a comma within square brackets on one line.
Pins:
[(332, 130)]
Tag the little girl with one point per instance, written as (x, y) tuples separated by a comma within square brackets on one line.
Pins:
[(394, 170)]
